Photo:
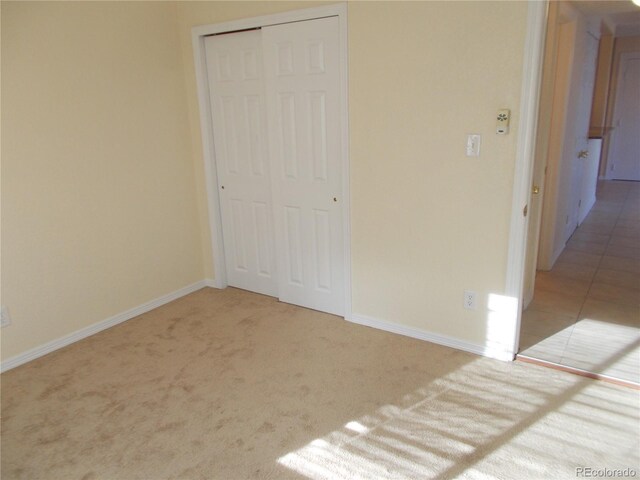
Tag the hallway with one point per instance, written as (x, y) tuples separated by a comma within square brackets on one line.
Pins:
[(585, 313)]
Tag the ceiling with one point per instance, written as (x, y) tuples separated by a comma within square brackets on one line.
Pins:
[(621, 14)]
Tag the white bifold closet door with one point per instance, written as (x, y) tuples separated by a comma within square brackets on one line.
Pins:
[(236, 83), (301, 73)]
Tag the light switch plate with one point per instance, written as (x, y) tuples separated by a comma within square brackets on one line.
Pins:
[(502, 121)]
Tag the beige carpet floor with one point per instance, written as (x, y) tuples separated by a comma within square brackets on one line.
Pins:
[(233, 385)]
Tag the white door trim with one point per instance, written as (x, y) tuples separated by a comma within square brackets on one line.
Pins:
[(525, 155), (206, 128)]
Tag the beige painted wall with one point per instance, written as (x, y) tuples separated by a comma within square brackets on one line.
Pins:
[(104, 210), (427, 221), (98, 201)]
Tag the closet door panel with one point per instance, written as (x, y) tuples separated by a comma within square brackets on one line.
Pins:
[(302, 79), (236, 88)]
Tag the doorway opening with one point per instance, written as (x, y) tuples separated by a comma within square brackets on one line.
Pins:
[(581, 285)]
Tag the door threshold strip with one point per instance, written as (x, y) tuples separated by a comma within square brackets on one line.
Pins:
[(578, 371)]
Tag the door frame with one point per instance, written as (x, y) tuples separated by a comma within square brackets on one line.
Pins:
[(539, 171), (198, 33), (525, 156)]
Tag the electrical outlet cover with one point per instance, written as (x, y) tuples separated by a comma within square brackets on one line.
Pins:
[(469, 300)]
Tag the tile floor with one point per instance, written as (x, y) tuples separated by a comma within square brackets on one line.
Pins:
[(585, 312)]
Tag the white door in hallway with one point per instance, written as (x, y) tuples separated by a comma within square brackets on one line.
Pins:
[(590, 163), (624, 156), (302, 71), (236, 82), (577, 135)]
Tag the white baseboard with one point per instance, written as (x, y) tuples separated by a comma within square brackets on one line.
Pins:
[(158, 302), (98, 327), (485, 351)]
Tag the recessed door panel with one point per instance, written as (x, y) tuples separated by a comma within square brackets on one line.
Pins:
[(254, 126), (229, 138), (315, 56), (223, 67), (322, 249), (252, 67), (293, 246), (318, 135), (238, 236), (284, 58), (262, 227), (288, 135)]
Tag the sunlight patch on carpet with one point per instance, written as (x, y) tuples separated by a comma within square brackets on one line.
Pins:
[(478, 423)]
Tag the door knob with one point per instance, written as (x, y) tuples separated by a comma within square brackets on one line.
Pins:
[(583, 153), (535, 189)]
